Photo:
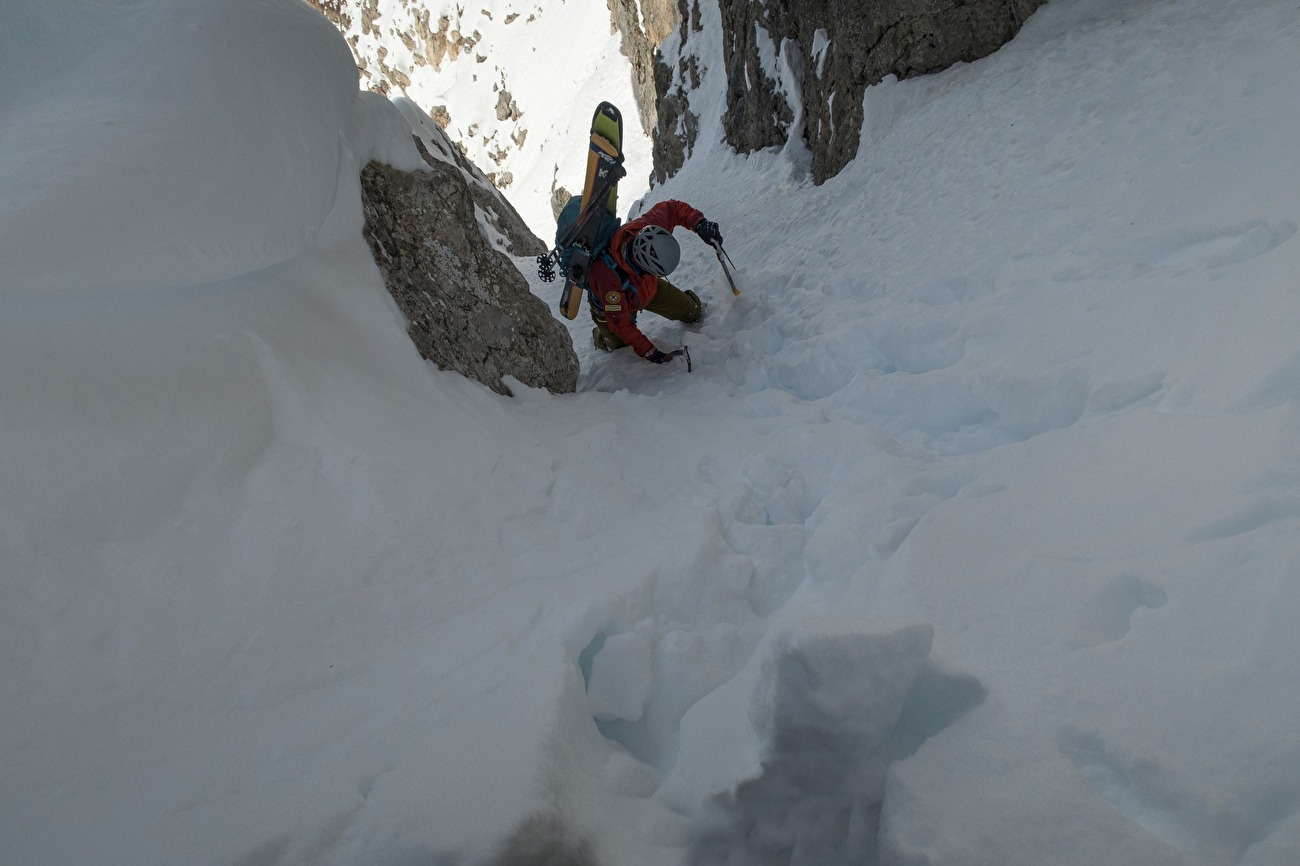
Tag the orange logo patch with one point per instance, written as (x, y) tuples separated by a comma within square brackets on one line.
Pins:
[(613, 298)]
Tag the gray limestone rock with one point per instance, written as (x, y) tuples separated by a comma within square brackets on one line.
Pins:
[(515, 236), (642, 25), (675, 126), (468, 307), (800, 68)]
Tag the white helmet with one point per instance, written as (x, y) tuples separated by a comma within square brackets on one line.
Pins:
[(656, 251)]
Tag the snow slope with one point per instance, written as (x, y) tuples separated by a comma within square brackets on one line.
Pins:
[(970, 540)]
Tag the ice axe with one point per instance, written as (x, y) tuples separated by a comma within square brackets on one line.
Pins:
[(683, 352), (724, 259)]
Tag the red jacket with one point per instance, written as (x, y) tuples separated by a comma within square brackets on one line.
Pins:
[(620, 304)]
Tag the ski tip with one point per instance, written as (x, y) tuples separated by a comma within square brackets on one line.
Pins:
[(611, 115)]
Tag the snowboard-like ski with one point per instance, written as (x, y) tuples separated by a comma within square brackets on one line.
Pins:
[(599, 197)]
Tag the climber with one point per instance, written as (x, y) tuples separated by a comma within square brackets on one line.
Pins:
[(643, 253)]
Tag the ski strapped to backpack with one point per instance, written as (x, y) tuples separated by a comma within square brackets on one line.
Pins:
[(585, 228)]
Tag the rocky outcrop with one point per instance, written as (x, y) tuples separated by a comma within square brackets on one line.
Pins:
[(799, 68), (507, 229), (675, 77), (400, 46), (642, 25), (469, 308), (795, 70)]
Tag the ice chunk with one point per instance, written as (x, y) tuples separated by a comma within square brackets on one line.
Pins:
[(834, 705), (620, 679), (830, 690)]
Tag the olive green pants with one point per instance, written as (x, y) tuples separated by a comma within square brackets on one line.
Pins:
[(669, 302)]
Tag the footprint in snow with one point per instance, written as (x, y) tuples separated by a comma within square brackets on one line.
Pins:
[(1107, 616), (1217, 247)]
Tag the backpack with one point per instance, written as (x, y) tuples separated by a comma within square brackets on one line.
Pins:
[(600, 249), (568, 216)]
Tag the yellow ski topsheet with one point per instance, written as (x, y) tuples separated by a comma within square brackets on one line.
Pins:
[(602, 144), (605, 138)]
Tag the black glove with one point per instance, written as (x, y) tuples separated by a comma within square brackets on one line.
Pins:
[(658, 357), (708, 232)]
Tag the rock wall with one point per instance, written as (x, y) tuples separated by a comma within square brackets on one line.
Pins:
[(799, 68), (675, 77), (506, 228), (401, 45), (469, 308), (642, 25)]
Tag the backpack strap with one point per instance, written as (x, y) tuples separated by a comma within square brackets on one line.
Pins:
[(597, 303)]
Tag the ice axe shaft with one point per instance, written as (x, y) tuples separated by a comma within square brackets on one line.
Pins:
[(683, 352), (724, 259)]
